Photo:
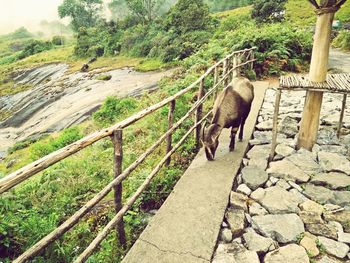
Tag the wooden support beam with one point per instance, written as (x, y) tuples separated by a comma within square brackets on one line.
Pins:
[(340, 125), (216, 78), (117, 140), (275, 125), (318, 73)]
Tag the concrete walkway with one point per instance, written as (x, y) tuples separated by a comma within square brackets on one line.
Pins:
[(187, 226)]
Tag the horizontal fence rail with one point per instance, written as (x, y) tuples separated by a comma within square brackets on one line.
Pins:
[(223, 71)]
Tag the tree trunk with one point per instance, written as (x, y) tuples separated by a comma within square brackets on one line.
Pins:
[(318, 73)]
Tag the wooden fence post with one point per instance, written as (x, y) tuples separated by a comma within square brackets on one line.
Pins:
[(340, 124), (170, 125), (118, 189), (216, 79), (198, 115), (224, 72), (252, 57)]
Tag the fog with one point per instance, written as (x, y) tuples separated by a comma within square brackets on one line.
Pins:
[(28, 13)]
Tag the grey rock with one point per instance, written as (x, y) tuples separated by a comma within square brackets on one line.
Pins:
[(319, 194), (254, 176), (289, 127), (268, 184), (256, 209), (284, 150), (265, 125), (344, 237), (238, 201), (258, 243), (341, 198), (283, 228), (287, 170), (224, 258), (244, 189), (334, 248), (334, 180), (332, 207), (295, 186), (334, 149), (309, 244), (311, 206), (247, 257), (327, 259), (261, 151), (299, 196), (260, 162), (327, 136), (305, 161), (226, 235), (283, 184), (311, 217), (277, 200), (236, 220), (319, 229), (291, 253), (274, 180), (258, 194), (343, 217), (333, 162)]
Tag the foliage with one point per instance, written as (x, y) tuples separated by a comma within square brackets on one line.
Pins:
[(146, 10), (58, 40), (342, 40), (21, 32), (68, 136), (268, 11), (34, 47), (83, 13), (113, 108), (221, 5), (188, 16), (104, 77), (343, 15)]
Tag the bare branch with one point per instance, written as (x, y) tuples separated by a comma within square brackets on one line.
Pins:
[(314, 3), (340, 3)]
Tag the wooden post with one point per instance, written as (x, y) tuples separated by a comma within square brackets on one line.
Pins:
[(216, 79), (275, 125), (318, 73), (340, 125), (224, 72), (198, 116), (170, 125), (118, 189)]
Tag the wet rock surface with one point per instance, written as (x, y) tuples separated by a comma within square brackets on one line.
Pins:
[(299, 210), (59, 99)]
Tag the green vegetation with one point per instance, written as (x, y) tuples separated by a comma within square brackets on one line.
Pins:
[(104, 77), (187, 36), (268, 11), (342, 40)]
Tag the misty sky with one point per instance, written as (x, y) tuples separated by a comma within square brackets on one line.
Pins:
[(28, 13)]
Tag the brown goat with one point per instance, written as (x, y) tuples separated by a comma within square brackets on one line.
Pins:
[(231, 109)]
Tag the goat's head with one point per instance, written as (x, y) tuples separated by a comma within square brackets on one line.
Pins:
[(210, 139)]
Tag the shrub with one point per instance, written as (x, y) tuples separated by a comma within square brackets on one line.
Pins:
[(342, 40), (112, 109), (34, 47), (268, 11), (58, 40), (65, 138)]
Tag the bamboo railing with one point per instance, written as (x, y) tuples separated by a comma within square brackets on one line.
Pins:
[(227, 67)]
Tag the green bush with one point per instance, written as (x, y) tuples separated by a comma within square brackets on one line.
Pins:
[(42, 148), (342, 40), (34, 47), (58, 40), (113, 109)]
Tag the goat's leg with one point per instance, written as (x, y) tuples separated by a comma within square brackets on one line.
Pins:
[(240, 136), (233, 135)]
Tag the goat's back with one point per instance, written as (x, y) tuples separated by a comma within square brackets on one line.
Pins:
[(244, 88)]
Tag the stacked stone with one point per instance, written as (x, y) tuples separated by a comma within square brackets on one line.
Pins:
[(297, 207)]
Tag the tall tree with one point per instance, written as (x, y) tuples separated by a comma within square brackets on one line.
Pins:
[(119, 9), (146, 10), (188, 15), (265, 11), (84, 13)]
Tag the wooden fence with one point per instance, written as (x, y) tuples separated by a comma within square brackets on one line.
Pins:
[(222, 72)]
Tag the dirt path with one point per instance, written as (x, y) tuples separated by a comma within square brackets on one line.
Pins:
[(339, 59)]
